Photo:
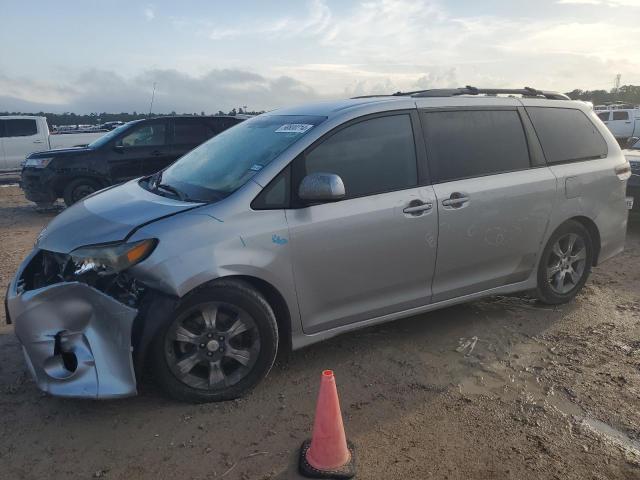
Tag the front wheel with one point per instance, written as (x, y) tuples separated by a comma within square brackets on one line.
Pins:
[(221, 341), (78, 189), (565, 264)]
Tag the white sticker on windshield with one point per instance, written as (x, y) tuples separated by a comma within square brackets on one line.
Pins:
[(294, 128)]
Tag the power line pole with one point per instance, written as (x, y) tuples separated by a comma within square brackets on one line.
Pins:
[(153, 94)]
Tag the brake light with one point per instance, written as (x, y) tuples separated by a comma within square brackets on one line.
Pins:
[(623, 171)]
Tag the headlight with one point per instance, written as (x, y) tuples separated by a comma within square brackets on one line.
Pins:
[(110, 259), (37, 162)]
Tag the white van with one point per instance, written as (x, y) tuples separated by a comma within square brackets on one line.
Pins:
[(21, 135)]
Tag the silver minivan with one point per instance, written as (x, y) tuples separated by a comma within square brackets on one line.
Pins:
[(307, 222)]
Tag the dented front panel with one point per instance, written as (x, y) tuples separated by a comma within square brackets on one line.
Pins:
[(76, 339)]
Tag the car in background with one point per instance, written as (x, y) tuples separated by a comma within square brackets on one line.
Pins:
[(135, 149), (624, 123), (21, 135), (632, 154)]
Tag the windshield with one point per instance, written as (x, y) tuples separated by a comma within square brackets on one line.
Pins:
[(223, 164), (107, 137)]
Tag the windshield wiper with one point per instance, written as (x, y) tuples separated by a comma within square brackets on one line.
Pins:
[(162, 186), (155, 184)]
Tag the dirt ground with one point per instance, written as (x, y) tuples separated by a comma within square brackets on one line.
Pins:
[(500, 388)]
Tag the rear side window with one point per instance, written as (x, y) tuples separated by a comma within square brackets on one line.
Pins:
[(620, 116), (473, 143), (190, 132), (372, 156), (24, 127), (604, 116), (567, 135)]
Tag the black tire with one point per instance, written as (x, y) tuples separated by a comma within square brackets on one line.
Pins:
[(78, 189), (170, 351), (558, 288)]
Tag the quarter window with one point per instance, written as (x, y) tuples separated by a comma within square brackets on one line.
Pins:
[(473, 143), (23, 127), (620, 116), (372, 156), (567, 134), (604, 116)]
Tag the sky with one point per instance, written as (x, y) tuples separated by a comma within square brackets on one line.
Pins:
[(209, 55)]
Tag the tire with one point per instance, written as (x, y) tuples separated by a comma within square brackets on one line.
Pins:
[(220, 343), (78, 189), (565, 264)]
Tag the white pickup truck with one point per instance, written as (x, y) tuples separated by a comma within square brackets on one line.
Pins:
[(21, 135), (623, 123)]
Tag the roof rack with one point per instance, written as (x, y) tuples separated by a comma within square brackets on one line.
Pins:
[(469, 90)]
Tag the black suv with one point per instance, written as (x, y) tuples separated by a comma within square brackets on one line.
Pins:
[(135, 149)]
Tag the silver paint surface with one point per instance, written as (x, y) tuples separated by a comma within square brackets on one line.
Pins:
[(91, 325)]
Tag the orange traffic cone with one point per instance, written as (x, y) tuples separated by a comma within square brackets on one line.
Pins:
[(328, 454)]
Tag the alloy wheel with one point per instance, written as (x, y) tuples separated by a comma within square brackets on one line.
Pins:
[(212, 346), (567, 263)]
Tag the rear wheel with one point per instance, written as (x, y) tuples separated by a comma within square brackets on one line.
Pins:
[(220, 343), (78, 189), (565, 264)]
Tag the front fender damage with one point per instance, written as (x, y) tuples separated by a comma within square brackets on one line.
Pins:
[(76, 340)]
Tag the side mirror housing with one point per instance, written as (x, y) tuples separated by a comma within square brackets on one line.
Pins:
[(321, 187), (631, 142)]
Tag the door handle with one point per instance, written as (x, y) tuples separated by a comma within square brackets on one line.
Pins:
[(156, 153), (38, 141), (417, 206), (455, 200)]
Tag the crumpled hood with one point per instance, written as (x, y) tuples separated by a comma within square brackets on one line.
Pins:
[(108, 216), (61, 152)]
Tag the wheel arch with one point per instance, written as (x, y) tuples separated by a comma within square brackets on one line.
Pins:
[(277, 302), (594, 233), (63, 182)]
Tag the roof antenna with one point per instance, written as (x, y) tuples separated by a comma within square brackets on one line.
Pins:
[(153, 95)]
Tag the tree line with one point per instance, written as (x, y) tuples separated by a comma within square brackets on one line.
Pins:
[(625, 94), (70, 118)]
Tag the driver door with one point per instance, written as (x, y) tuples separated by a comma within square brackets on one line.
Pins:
[(373, 252)]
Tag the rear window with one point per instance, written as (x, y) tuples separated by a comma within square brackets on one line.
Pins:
[(24, 127), (567, 135), (474, 143)]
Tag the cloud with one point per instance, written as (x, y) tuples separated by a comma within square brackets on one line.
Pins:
[(149, 12), (608, 3), (102, 90), (317, 19)]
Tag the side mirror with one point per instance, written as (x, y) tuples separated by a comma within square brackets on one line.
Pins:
[(321, 187), (632, 141)]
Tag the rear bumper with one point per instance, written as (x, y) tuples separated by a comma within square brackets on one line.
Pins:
[(76, 340)]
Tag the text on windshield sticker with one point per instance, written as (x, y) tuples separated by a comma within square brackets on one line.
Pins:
[(294, 128)]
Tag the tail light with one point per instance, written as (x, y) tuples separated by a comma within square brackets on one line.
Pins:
[(623, 171)]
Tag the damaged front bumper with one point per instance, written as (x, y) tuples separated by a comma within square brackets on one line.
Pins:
[(76, 339)]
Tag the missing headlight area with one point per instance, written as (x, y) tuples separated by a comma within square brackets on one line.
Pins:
[(48, 268)]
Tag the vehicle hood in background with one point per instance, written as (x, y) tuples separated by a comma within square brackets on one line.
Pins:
[(108, 216), (632, 154), (61, 152)]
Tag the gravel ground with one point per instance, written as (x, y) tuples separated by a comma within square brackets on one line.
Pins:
[(500, 388)]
